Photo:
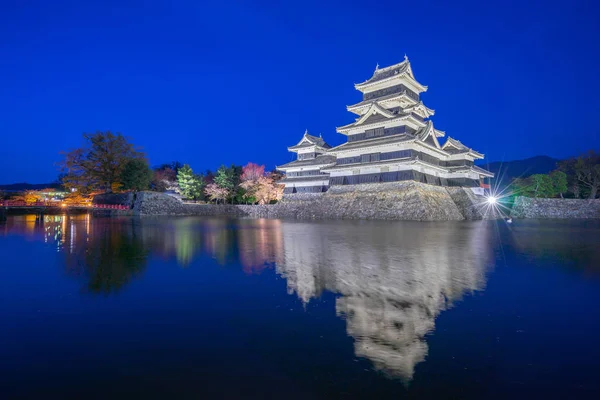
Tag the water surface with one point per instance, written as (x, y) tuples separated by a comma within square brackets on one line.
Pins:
[(220, 308)]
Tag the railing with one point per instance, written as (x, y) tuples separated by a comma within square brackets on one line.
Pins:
[(21, 203), (111, 206)]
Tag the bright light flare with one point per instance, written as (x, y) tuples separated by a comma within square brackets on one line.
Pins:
[(492, 200)]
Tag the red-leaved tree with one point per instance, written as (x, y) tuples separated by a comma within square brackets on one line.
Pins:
[(165, 179), (259, 187), (252, 172)]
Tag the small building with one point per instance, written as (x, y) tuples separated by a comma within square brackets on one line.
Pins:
[(305, 175), (391, 140)]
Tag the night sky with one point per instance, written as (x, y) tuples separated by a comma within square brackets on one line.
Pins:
[(221, 82)]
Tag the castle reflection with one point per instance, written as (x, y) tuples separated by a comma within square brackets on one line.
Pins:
[(394, 279)]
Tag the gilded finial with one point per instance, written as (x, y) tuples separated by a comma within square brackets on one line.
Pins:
[(405, 57)]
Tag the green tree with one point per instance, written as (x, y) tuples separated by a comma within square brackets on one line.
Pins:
[(185, 179), (99, 164), (522, 187), (136, 175), (226, 178), (541, 185), (559, 182), (196, 188), (191, 185)]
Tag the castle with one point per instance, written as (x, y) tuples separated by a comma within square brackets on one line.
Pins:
[(391, 140)]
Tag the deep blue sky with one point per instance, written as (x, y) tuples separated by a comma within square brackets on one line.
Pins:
[(217, 82)]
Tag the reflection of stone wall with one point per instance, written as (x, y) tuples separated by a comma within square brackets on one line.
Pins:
[(526, 207), (393, 279)]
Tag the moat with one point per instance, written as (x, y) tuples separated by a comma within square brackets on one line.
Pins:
[(199, 307)]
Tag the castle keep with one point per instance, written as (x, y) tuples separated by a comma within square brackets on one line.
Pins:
[(392, 139)]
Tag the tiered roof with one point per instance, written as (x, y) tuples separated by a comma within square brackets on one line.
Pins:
[(401, 108), (403, 137), (400, 71), (375, 117), (400, 99), (420, 109), (309, 141), (318, 160), (453, 146)]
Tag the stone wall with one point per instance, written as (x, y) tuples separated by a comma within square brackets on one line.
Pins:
[(114, 198), (153, 203), (471, 206), (526, 207), (388, 201)]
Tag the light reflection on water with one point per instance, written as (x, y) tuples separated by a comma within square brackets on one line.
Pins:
[(391, 281)]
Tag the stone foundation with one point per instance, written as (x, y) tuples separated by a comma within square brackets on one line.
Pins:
[(114, 198), (383, 201), (527, 207)]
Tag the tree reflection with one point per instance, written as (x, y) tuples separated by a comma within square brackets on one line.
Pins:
[(254, 244), (115, 255), (573, 242), (259, 244), (108, 252), (105, 252), (394, 279)]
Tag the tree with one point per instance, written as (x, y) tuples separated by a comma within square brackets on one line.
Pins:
[(267, 190), (587, 171), (252, 172), (136, 175), (226, 179), (559, 182), (32, 196), (583, 174), (74, 175), (100, 163), (263, 190), (521, 187), (575, 189), (190, 184), (196, 189), (216, 193), (185, 179), (542, 185), (76, 198), (165, 178)]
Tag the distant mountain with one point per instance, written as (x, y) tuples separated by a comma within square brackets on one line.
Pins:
[(506, 171), (29, 186)]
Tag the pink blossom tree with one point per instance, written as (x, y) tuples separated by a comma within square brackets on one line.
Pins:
[(216, 193)]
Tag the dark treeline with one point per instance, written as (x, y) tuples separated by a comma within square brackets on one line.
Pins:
[(577, 177)]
